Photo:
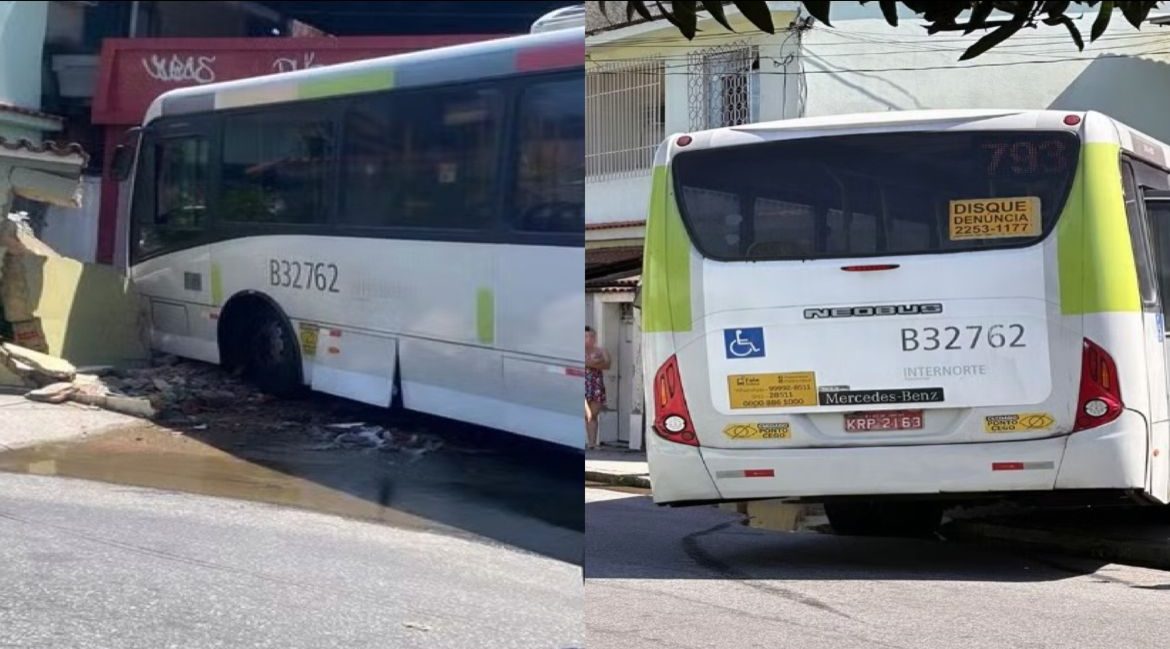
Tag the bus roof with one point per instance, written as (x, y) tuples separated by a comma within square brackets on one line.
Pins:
[(1097, 126), (561, 49)]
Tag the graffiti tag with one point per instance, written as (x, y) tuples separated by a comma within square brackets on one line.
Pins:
[(175, 68), (291, 63)]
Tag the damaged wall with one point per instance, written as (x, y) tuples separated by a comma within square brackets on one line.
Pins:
[(85, 313)]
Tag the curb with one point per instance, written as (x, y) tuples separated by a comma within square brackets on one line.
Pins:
[(618, 479), (1148, 553)]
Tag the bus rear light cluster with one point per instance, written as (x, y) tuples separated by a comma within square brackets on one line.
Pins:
[(672, 419), (1099, 401)]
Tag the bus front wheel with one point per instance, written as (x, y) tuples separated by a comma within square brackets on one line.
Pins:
[(884, 519), (273, 361)]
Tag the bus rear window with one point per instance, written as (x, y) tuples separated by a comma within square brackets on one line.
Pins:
[(875, 194)]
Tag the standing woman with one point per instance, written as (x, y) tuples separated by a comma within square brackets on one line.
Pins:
[(596, 362)]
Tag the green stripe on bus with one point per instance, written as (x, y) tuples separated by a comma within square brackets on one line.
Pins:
[(485, 316), (1094, 253), (216, 285), (666, 271), (346, 85)]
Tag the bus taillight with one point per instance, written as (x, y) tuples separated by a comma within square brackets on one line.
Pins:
[(1100, 397), (672, 420)]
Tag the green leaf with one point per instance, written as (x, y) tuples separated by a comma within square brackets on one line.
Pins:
[(636, 7), (979, 15), (1072, 29), (682, 16), (757, 13), (715, 8), (1102, 21), (890, 11), (818, 10), (1135, 12), (991, 40)]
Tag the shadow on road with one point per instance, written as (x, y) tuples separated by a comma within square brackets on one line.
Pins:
[(484, 482), (631, 538)]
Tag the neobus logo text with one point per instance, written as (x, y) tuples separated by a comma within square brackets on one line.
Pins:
[(931, 308)]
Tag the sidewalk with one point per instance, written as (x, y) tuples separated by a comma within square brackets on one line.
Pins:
[(27, 423), (616, 466)]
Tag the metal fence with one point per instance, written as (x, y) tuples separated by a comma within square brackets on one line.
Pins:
[(625, 117), (723, 86)]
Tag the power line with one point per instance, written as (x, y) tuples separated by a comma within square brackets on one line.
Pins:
[(667, 67)]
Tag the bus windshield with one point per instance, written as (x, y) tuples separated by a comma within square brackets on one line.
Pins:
[(875, 194)]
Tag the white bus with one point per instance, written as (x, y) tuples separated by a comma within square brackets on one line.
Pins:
[(405, 227), (891, 312)]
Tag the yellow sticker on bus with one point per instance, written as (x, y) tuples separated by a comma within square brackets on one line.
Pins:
[(1018, 423), (787, 390), (994, 218), (309, 339), (758, 431)]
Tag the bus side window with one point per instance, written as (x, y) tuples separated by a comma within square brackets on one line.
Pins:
[(1158, 213), (1144, 249), (550, 174), (422, 159)]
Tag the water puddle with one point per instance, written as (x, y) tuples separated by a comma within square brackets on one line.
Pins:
[(485, 495), (151, 457)]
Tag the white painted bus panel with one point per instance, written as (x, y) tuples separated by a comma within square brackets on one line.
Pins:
[(1106, 458)]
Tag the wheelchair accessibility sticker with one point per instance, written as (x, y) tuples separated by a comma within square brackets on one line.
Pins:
[(744, 343)]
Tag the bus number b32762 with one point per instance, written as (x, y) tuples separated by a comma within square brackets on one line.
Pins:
[(930, 339), (305, 275)]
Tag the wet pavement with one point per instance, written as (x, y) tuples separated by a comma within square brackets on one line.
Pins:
[(331, 455)]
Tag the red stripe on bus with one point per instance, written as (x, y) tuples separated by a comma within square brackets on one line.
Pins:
[(759, 473), (551, 57), (1007, 466)]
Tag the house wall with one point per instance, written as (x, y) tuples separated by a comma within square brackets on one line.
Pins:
[(864, 65)]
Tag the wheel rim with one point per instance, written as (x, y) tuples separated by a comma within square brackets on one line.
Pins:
[(269, 349)]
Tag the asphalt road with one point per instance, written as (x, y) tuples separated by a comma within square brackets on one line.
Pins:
[(87, 564), (688, 578)]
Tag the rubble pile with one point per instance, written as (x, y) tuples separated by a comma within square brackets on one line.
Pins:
[(54, 380), (177, 388), (189, 395), (168, 387)]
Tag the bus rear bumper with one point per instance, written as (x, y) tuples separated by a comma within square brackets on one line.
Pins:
[(1110, 457)]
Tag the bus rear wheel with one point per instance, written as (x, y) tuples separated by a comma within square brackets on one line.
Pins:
[(909, 519), (272, 360)]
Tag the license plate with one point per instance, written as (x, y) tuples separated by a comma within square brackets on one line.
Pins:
[(865, 422)]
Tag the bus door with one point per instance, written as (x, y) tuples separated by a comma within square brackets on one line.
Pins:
[(171, 211), (1154, 202)]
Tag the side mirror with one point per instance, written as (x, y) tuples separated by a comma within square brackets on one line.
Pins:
[(123, 161), (638, 297)]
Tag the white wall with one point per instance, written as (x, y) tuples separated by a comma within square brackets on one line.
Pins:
[(864, 65), (22, 38), (617, 199), (73, 232)]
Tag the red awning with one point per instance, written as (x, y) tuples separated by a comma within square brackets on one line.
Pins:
[(133, 72)]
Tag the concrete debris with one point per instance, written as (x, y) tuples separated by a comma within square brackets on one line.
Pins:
[(46, 367), (53, 393)]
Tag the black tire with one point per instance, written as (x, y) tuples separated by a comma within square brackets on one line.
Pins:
[(272, 358), (908, 519)]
